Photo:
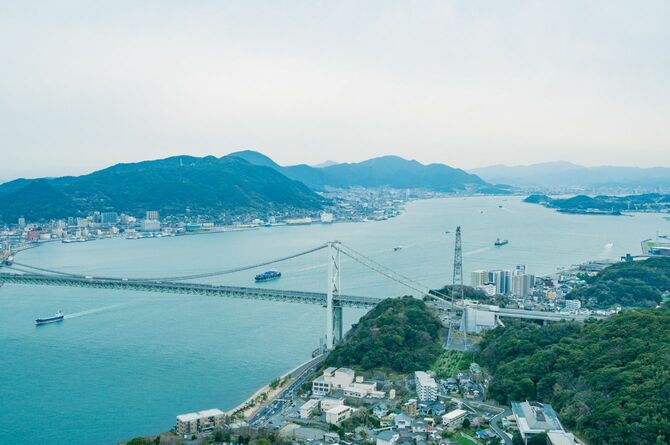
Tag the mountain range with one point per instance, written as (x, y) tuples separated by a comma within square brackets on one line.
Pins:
[(238, 182), (566, 175), (385, 171), (175, 185)]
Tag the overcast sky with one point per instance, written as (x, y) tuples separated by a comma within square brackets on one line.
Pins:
[(87, 84)]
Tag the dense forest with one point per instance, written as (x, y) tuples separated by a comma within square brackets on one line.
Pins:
[(609, 380), (399, 334), (627, 284)]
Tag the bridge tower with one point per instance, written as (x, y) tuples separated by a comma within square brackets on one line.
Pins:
[(457, 290), (334, 323)]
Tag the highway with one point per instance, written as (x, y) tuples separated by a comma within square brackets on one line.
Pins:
[(279, 403)]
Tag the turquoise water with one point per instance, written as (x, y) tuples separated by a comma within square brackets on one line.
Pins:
[(125, 364)]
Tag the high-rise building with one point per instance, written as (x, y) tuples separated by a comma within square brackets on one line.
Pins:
[(479, 277), (152, 214), (109, 218), (501, 278), (22, 222)]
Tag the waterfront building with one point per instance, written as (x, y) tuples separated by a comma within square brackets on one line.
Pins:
[(109, 218), (426, 387), (338, 414), (332, 378), (150, 225), (193, 423), (152, 214), (534, 418)]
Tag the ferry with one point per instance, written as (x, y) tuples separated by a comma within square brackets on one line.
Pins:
[(267, 276), (500, 242), (56, 318)]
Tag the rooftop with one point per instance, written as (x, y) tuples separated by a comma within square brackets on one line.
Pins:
[(535, 417), (455, 414), (338, 409)]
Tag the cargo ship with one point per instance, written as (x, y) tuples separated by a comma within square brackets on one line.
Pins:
[(500, 242), (267, 276), (56, 318)]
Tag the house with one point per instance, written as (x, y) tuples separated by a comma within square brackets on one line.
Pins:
[(387, 437), (380, 410), (402, 421), (453, 418), (338, 414), (533, 418), (409, 407), (331, 437)]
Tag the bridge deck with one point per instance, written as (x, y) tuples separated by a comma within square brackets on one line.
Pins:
[(251, 293)]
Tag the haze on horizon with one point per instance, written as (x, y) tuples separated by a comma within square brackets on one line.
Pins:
[(85, 85)]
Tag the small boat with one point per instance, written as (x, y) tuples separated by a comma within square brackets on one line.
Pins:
[(397, 248), (56, 318), (500, 206), (267, 276), (447, 232), (500, 242)]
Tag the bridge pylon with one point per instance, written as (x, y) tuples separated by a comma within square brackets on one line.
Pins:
[(334, 322)]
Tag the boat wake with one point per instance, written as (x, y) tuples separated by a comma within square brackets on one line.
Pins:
[(476, 251), (94, 311)]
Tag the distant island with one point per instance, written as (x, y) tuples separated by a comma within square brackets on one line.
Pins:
[(604, 204)]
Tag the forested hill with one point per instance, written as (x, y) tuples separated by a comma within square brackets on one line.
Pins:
[(384, 171), (628, 284), (176, 185), (399, 334), (609, 380)]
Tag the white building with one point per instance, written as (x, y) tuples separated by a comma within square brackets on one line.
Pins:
[(152, 214), (192, 423), (150, 225), (488, 289), (308, 408), (534, 418), (332, 378), (426, 387), (455, 417), (338, 414), (330, 402), (479, 277)]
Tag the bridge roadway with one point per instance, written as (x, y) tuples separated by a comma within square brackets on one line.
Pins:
[(250, 293), (257, 293)]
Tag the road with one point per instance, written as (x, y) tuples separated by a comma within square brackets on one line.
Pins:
[(284, 398), (496, 429)]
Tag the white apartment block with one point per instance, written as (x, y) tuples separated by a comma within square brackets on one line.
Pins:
[(192, 423), (338, 414), (426, 387)]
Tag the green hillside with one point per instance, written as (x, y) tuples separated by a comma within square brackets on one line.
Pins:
[(399, 334), (609, 380), (176, 185)]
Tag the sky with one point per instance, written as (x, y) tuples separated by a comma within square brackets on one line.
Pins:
[(87, 84)]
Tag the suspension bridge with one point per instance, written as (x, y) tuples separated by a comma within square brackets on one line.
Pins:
[(333, 300)]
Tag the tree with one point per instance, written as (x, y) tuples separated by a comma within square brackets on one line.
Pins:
[(517, 439), (538, 439), (466, 423)]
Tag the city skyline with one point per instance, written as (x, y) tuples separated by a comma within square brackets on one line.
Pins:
[(87, 86)]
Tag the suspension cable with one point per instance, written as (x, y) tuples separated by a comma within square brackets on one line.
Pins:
[(187, 277), (389, 273)]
